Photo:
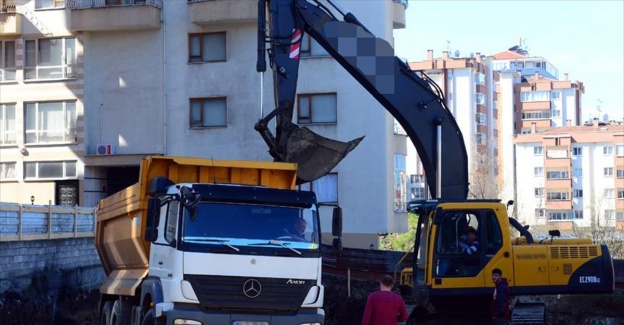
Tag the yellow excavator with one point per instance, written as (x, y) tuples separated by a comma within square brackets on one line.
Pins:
[(453, 283)]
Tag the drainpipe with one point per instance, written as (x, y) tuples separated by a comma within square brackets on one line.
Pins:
[(164, 75)]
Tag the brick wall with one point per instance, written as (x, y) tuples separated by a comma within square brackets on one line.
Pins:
[(72, 261)]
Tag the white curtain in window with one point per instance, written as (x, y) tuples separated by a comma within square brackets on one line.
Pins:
[(326, 188), (213, 47), (50, 52), (324, 108), (8, 171), (215, 112)]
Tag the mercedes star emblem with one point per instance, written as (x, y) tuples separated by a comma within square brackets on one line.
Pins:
[(252, 288)]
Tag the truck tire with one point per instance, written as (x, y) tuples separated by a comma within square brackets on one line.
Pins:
[(105, 314), (150, 318), (121, 313)]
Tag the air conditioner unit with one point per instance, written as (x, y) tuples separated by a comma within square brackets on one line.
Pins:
[(105, 149)]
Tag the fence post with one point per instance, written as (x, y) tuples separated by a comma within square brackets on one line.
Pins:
[(19, 222), (49, 219), (75, 221)]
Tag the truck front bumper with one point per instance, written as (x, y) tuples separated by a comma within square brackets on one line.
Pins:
[(304, 316)]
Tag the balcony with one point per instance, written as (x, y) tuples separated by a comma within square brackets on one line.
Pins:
[(399, 14), (10, 20), (114, 15), (212, 12)]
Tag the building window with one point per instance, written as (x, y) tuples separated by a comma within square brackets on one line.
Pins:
[(49, 4), (609, 193), (481, 138), (207, 47), (49, 58), (560, 215), (208, 112), (480, 118), (620, 193), (480, 78), (555, 113), (8, 134), (398, 129), (578, 214), (619, 150), (7, 60), (577, 151), (577, 193), (558, 174), (309, 47), (534, 96), (619, 215), (538, 171), (7, 171), (555, 95), (325, 188), (577, 172), (538, 151), (316, 108), (609, 214), (558, 196), (50, 122), (417, 193), (620, 173), (480, 99), (608, 171), (49, 169), (400, 183), (539, 192), (540, 115), (540, 213), (607, 150)]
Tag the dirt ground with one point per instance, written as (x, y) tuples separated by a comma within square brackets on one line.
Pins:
[(80, 308)]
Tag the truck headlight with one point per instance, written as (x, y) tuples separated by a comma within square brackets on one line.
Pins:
[(181, 321)]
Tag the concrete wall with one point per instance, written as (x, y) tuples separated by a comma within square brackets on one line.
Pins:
[(74, 260)]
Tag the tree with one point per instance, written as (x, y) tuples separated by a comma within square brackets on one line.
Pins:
[(602, 228)]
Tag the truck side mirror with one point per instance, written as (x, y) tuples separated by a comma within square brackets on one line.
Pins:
[(153, 216), (337, 222)]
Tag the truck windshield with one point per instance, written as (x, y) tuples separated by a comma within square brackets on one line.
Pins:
[(237, 225)]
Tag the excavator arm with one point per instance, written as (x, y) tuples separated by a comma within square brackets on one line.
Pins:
[(415, 102)]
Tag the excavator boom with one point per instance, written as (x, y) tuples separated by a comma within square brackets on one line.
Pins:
[(415, 102)]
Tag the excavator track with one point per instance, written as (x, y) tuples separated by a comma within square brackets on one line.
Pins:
[(528, 310)]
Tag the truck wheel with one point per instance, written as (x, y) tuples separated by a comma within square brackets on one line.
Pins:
[(119, 314), (150, 318), (105, 314)]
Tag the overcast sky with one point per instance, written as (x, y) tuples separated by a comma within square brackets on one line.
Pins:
[(582, 38)]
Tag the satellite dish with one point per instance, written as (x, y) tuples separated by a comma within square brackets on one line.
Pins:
[(472, 54), (605, 118), (456, 53)]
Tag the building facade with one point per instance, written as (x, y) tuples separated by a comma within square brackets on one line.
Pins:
[(571, 176), (469, 88), (90, 88)]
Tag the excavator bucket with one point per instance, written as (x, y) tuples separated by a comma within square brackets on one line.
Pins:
[(315, 155)]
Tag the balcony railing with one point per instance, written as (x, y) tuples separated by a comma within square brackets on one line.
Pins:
[(87, 4), (7, 6)]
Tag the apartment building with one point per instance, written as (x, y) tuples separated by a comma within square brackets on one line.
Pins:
[(90, 87), (571, 176), (469, 88), (42, 133)]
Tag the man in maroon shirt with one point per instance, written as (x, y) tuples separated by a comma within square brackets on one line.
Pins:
[(384, 307)]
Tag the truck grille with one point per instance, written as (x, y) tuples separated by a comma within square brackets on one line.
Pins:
[(227, 294)]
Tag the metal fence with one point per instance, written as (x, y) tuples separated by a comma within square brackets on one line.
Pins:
[(86, 4), (36, 222)]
